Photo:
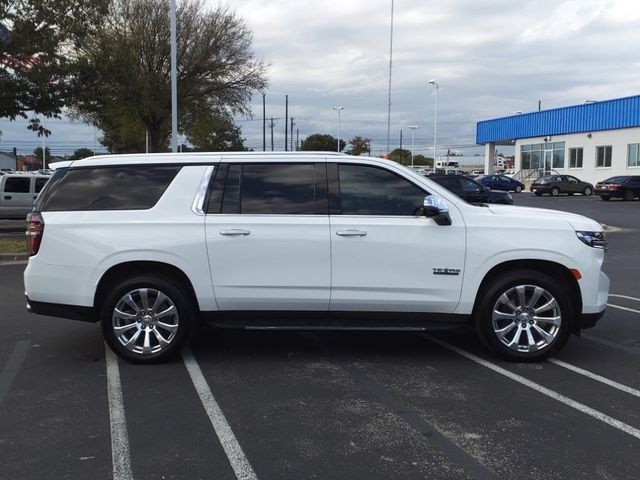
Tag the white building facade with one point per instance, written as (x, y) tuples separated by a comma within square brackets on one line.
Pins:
[(591, 141)]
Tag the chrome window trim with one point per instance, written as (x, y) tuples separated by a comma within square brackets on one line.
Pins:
[(198, 202)]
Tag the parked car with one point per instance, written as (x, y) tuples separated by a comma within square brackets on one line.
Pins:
[(501, 182), (554, 185), (626, 187), (472, 192), (150, 245), (17, 193)]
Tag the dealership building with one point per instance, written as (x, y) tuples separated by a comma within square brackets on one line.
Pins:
[(591, 141)]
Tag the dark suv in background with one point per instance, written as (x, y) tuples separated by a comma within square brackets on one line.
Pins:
[(470, 190)]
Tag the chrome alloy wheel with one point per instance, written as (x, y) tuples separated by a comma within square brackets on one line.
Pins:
[(145, 321), (526, 318)]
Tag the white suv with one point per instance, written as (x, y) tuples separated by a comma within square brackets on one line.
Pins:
[(149, 245)]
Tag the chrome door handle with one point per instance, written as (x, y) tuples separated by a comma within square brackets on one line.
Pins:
[(351, 233), (235, 232)]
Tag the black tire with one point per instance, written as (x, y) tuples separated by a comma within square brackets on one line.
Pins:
[(487, 303), (518, 189), (588, 191), (627, 196), (555, 191), (538, 194), (605, 198), (177, 296)]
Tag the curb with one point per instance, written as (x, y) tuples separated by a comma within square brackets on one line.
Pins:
[(13, 257)]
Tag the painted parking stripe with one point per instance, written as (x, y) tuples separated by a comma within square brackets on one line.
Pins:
[(623, 427), (236, 456), (626, 309), (596, 377), (624, 296), (120, 455), (12, 367), (609, 343)]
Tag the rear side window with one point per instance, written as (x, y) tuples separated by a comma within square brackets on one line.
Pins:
[(17, 185), (106, 188), (40, 183), (367, 190)]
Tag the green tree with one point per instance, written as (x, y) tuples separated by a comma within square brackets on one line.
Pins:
[(47, 155), (422, 160), (319, 142), (37, 41), (214, 132), (124, 77), (401, 155), (359, 146), (81, 153)]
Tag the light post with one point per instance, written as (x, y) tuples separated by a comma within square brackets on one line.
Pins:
[(174, 81), (435, 123), (413, 134), (339, 108)]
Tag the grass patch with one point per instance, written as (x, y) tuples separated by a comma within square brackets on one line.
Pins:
[(11, 245)]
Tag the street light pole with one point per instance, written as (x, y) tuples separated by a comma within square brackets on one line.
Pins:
[(435, 123), (413, 134), (339, 108), (174, 82)]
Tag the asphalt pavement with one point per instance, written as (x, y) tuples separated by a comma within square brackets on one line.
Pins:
[(331, 405)]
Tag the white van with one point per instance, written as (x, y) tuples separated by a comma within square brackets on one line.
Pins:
[(18, 191)]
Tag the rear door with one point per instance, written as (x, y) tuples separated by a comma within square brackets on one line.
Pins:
[(386, 255), (17, 199), (267, 231)]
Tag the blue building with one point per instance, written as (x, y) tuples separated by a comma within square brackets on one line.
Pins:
[(591, 141)]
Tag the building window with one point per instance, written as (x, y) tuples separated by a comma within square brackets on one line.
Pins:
[(603, 157), (575, 157), (633, 155), (533, 157)]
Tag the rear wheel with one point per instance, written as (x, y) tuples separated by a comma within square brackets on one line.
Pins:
[(588, 191), (518, 189), (555, 192), (538, 194), (147, 319), (627, 196), (605, 198), (525, 316)]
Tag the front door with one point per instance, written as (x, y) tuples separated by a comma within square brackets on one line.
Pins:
[(267, 230), (385, 255)]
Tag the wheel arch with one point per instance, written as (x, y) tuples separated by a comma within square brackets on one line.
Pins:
[(553, 269), (124, 270)]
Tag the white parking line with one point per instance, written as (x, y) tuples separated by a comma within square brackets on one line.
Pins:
[(623, 308), (544, 390), (236, 456), (596, 377), (119, 437), (625, 296)]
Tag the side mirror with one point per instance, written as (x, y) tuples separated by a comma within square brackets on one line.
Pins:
[(436, 208)]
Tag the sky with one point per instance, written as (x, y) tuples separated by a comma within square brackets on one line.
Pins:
[(491, 58)]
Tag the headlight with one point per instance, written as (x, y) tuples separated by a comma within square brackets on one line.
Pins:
[(593, 239)]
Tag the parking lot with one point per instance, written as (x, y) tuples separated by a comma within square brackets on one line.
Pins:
[(328, 405)]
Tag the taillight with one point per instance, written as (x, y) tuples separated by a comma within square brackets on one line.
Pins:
[(35, 229), (613, 186)]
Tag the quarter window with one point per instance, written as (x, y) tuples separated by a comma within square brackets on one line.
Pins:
[(367, 190), (40, 183), (17, 185), (633, 155), (603, 156), (575, 157)]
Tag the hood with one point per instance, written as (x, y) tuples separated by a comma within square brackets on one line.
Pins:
[(527, 214)]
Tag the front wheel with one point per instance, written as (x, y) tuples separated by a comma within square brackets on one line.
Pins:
[(627, 196), (555, 192), (525, 316), (518, 189), (147, 319)]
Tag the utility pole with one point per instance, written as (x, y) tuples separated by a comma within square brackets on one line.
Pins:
[(413, 136), (539, 105), (297, 139), (292, 124), (400, 139), (146, 140), (44, 164), (286, 120), (390, 66), (264, 124), (271, 125)]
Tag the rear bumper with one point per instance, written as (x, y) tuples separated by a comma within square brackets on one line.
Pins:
[(609, 193), (72, 312)]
